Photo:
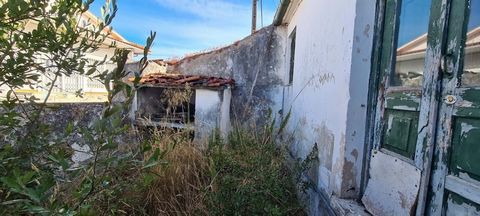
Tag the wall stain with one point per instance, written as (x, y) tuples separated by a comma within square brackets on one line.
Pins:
[(348, 179), (366, 31), (403, 200), (326, 141), (348, 174), (354, 154)]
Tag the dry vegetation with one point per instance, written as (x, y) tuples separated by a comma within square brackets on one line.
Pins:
[(243, 175), (178, 186)]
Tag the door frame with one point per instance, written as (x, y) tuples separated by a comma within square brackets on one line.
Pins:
[(430, 101), (454, 49), (373, 93)]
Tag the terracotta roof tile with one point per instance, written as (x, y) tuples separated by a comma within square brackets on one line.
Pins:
[(180, 80)]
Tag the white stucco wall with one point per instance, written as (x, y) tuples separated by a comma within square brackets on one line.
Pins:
[(329, 91), (212, 112), (224, 123)]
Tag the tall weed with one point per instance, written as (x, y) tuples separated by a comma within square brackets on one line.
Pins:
[(250, 175)]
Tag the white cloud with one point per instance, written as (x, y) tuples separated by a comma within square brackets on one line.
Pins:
[(199, 25), (219, 10), (166, 52)]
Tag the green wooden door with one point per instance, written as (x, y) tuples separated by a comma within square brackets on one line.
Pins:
[(402, 65), (400, 62), (455, 181), (428, 104)]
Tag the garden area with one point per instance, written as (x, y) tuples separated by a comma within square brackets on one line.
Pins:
[(128, 170)]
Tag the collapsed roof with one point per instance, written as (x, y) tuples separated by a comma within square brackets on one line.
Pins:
[(163, 80)]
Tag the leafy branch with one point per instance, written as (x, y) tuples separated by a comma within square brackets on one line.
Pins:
[(39, 176)]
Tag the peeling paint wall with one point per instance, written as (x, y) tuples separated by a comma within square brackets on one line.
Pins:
[(319, 96), (355, 145), (330, 85), (256, 63), (328, 96)]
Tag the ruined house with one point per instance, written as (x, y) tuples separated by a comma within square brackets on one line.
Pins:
[(195, 103), (387, 90)]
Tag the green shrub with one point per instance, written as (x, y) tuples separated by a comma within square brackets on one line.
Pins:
[(37, 175), (250, 176)]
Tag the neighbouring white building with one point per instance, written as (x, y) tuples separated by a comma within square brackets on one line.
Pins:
[(92, 90)]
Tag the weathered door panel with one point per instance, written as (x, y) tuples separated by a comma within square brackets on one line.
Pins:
[(389, 175), (465, 150), (448, 127), (455, 181), (468, 102), (458, 205), (402, 68), (401, 132), (401, 117)]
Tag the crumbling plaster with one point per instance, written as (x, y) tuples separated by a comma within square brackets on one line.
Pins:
[(255, 63), (80, 115)]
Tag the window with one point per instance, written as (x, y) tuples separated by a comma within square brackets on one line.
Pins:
[(411, 43), (471, 66), (402, 63), (293, 37)]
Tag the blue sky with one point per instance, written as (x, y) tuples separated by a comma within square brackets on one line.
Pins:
[(414, 19), (474, 20), (186, 26)]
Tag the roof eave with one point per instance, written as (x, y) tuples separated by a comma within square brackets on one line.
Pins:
[(281, 11), (114, 35)]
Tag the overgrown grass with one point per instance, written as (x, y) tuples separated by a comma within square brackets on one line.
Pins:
[(177, 187), (245, 174), (250, 177)]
